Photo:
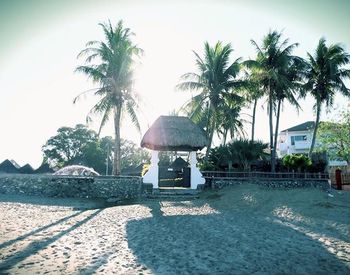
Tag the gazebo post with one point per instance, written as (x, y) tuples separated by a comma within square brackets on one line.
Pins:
[(152, 174), (196, 175)]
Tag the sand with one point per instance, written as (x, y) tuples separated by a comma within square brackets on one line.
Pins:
[(240, 230)]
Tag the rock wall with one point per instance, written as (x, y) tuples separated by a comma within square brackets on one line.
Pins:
[(118, 188), (271, 183)]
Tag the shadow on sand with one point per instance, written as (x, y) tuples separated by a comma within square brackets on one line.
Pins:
[(36, 246), (229, 242)]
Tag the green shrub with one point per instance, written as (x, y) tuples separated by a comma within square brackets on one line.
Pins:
[(298, 162), (239, 153)]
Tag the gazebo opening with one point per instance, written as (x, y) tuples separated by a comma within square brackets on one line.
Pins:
[(178, 134), (174, 171)]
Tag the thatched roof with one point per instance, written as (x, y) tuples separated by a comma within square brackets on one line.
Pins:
[(44, 169), (174, 133), (26, 169), (77, 170), (7, 167)]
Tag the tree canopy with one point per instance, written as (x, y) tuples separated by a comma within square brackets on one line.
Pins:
[(334, 137), (79, 145)]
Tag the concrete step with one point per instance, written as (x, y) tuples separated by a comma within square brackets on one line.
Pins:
[(174, 193)]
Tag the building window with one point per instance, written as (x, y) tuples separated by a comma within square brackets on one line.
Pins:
[(298, 138)]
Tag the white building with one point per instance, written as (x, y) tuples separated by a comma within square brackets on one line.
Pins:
[(297, 140)]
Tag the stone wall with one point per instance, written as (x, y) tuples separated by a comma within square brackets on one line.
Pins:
[(118, 188), (270, 183)]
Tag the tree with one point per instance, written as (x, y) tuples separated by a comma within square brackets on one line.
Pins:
[(334, 137), (228, 118), (216, 78), (253, 93), (82, 146), (272, 72), (325, 75), (114, 75), (68, 145), (132, 155), (299, 162), (241, 152)]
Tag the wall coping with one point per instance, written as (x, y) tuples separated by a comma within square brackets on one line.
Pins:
[(66, 176)]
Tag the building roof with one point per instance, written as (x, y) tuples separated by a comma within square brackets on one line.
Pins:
[(7, 167), (44, 169), (308, 125), (179, 163), (174, 133), (26, 169)]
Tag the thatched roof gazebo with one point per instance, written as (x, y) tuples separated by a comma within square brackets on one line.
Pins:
[(174, 133)]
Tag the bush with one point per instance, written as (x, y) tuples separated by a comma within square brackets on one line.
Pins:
[(297, 162), (240, 154)]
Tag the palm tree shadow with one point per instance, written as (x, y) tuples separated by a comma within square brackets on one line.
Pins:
[(224, 243), (74, 203), (33, 232), (36, 246)]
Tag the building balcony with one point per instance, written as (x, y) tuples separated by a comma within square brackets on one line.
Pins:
[(299, 145)]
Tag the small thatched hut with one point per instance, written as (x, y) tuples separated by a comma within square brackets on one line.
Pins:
[(174, 133), (8, 167), (26, 169), (44, 169)]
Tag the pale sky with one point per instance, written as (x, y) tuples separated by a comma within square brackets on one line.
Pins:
[(41, 39)]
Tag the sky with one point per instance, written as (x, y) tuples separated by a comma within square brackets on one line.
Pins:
[(40, 41)]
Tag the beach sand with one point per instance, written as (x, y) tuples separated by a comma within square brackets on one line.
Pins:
[(245, 229)]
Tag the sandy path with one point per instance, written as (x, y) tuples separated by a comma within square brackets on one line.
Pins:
[(243, 230)]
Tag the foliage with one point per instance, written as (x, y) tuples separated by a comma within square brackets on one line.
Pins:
[(324, 76), (113, 72), (132, 155), (68, 145), (164, 158), (217, 81), (241, 153), (298, 162), (80, 145), (334, 137), (276, 71)]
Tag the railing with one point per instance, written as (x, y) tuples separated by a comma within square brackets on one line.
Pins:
[(345, 178), (264, 175)]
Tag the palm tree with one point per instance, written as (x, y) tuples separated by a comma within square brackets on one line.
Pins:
[(290, 88), (253, 93), (325, 76), (272, 66), (216, 77), (229, 121), (114, 75)]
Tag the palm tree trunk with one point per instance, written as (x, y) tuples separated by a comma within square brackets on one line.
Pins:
[(211, 135), (253, 122), (317, 122), (116, 166), (210, 141), (225, 136), (271, 132), (276, 130)]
